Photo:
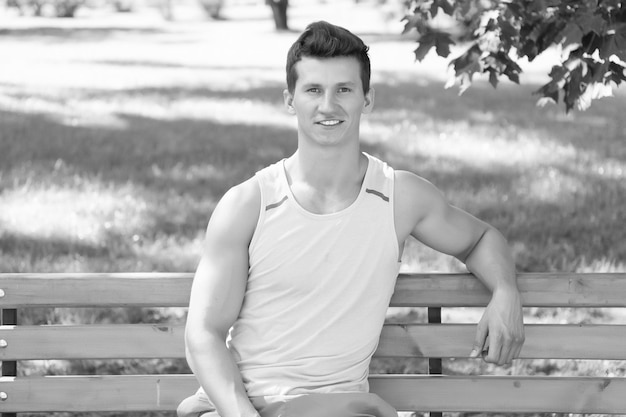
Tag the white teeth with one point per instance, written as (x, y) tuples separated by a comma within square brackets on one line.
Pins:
[(329, 122)]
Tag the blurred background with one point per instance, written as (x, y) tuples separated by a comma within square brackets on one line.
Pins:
[(122, 122)]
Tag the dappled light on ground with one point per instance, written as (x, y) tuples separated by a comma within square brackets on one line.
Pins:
[(156, 120), (83, 214)]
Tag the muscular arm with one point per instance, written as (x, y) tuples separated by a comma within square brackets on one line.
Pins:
[(423, 213), (216, 298)]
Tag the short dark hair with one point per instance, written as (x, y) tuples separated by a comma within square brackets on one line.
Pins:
[(324, 40)]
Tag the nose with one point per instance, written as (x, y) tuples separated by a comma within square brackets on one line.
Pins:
[(328, 103)]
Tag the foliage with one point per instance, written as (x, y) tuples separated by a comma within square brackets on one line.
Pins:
[(591, 33)]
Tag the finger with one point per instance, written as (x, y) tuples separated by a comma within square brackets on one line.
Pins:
[(518, 348), (479, 340), (506, 354), (485, 350), (495, 348)]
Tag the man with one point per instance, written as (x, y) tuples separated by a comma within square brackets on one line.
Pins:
[(300, 261)]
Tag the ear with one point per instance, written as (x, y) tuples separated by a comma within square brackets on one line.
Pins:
[(288, 98), (368, 106)]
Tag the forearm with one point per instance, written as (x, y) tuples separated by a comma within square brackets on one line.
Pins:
[(218, 374), (491, 261)]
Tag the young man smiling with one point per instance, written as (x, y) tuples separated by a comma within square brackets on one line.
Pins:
[(300, 261)]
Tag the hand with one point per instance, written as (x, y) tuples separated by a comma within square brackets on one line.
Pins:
[(500, 331)]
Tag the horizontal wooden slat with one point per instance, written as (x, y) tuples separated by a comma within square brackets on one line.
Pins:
[(416, 340), (96, 289), (543, 341), (538, 290), (122, 341), (96, 393), (418, 290), (405, 392), (503, 394)]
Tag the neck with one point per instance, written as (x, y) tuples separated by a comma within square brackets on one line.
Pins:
[(327, 169), (326, 182)]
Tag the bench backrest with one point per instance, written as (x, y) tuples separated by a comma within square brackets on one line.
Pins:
[(512, 393)]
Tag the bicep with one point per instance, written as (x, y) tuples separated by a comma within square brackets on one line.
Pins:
[(435, 222), (450, 230), (220, 280)]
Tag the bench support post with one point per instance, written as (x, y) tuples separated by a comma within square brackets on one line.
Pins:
[(9, 368), (434, 364)]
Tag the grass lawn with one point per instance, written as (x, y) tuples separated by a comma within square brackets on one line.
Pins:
[(119, 133)]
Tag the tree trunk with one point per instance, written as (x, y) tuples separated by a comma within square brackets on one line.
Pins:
[(279, 10), (167, 10)]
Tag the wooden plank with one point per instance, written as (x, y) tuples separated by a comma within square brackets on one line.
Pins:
[(503, 393), (121, 341), (96, 289), (418, 290), (543, 341), (538, 290), (405, 392), (136, 341), (96, 393)]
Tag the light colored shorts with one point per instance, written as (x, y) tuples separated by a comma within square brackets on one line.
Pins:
[(352, 404)]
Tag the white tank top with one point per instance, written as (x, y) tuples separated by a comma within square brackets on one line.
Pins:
[(318, 289)]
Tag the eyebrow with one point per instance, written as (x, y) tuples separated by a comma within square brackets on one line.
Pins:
[(339, 84)]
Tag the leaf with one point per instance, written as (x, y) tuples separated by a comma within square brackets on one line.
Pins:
[(447, 6), (573, 88), (620, 45), (549, 35), (434, 8), (493, 78), (557, 73), (571, 34), (464, 68), (512, 74), (507, 30), (537, 6), (422, 50), (442, 44), (426, 42), (608, 47), (469, 62), (416, 22), (591, 23), (549, 90), (617, 73), (529, 49)]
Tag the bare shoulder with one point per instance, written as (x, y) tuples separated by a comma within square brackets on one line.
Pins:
[(237, 212), (414, 190), (415, 198)]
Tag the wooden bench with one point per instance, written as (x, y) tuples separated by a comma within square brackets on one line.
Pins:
[(470, 393)]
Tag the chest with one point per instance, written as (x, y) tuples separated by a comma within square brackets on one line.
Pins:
[(318, 201)]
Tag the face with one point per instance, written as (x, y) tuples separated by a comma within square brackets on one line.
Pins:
[(328, 100)]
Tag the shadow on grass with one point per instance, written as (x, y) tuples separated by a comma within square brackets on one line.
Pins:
[(272, 93), (181, 167), (510, 106)]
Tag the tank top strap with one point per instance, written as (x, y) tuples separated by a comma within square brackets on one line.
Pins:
[(272, 184), (380, 181)]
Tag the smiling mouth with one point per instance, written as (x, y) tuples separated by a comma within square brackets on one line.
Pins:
[(329, 123)]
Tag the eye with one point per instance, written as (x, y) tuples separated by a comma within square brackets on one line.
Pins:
[(313, 90), (344, 89)]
